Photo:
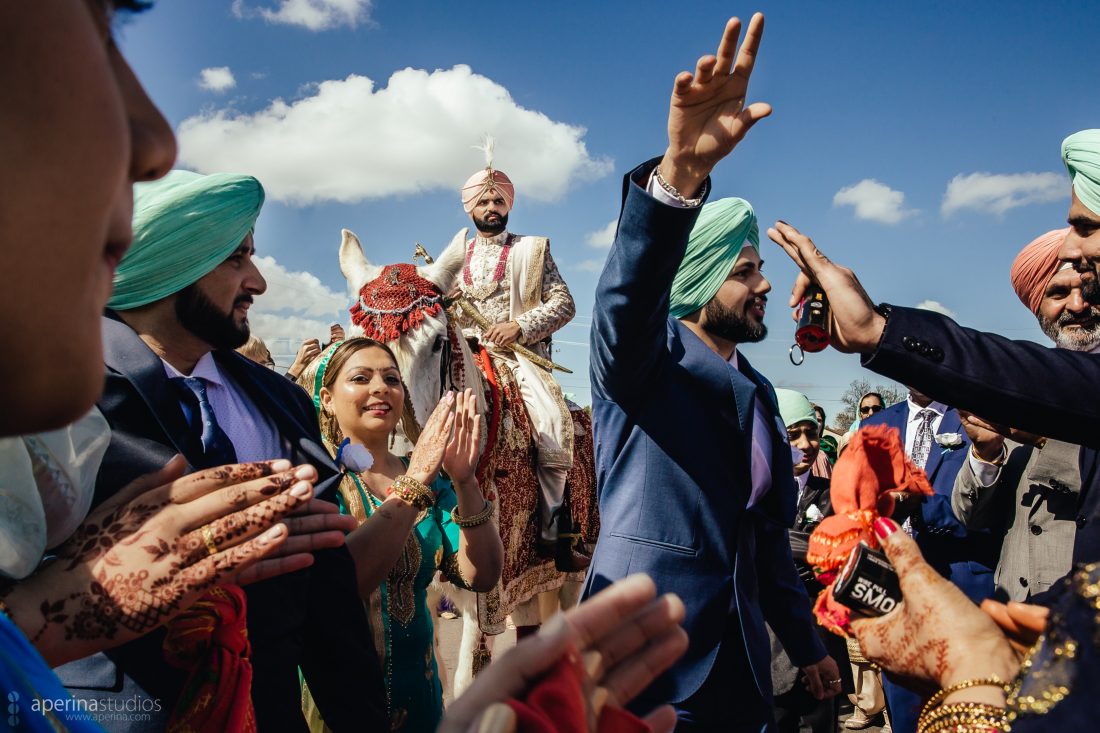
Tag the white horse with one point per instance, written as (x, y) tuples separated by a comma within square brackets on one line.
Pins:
[(402, 305)]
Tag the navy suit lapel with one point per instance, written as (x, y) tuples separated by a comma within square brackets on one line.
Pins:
[(714, 375), (127, 354)]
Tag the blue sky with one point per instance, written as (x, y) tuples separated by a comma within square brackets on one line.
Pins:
[(878, 108)]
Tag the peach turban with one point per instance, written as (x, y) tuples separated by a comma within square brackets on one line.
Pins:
[(1034, 266), (483, 182)]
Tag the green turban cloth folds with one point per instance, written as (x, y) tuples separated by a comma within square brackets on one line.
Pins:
[(1081, 154), (794, 407), (723, 228), (185, 225)]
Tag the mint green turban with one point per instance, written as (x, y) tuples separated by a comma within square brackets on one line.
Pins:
[(1081, 154), (794, 407), (185, 225), (723, 228)]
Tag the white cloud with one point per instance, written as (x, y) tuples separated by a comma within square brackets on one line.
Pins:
[(936, 307), (217, 79), (603, 237), (874, 201), (315, 15), (997, 193), (595, 265), (347, 141), (295, 307)]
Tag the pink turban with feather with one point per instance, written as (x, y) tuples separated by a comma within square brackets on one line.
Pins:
[(1034, 266), (483, 182)]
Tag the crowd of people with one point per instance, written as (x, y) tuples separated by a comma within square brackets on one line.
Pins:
[(197, 542)]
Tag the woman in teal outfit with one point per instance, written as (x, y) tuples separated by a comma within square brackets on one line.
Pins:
[(413, 522)]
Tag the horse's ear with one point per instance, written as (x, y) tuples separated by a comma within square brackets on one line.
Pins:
[(353, 263), (444, 271)]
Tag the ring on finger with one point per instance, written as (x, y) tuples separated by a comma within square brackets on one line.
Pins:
[(208, 539), (833, 682)]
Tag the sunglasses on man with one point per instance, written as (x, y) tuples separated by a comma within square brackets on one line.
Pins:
[(869, 409)]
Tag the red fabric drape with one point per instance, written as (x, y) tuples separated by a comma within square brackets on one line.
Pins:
[(556, 705), (211, 640)]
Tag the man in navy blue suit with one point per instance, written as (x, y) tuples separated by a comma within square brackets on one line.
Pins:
[(695, 476), (934, 440)]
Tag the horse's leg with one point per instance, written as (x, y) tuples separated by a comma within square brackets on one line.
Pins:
[(471, 649)]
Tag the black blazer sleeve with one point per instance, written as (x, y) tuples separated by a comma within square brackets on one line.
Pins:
[(1019, 383)]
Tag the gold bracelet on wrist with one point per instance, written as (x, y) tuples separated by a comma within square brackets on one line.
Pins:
[(5, 610), (476, 520), (964, 717), (999, 461), (935, 700), (409, 489)]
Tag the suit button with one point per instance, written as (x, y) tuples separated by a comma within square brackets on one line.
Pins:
[(909, 343), (1023, 582), (1036, 529), (1081, 522), (935, 354)]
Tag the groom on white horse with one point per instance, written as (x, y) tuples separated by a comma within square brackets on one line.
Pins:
[(512, 280)]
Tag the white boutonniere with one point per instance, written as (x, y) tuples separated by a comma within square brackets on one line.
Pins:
[(355, 458), (813, 514), (950, 441)]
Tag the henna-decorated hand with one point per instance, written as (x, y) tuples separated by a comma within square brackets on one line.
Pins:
[(427, 456), (935, 637), (460, 457), (142, 557)]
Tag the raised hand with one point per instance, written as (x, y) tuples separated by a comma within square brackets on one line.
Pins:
[(708, 114), (988, 439), (427, 456), (147, 554), (463, 450), (856, 327)]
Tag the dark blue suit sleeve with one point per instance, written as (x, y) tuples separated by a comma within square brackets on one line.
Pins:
[(631, 309), (1018, 383), (783, 599)]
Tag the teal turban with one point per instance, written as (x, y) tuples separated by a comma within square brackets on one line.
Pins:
[(723, 228), (794, 407), (185, 225), (1081, 154)]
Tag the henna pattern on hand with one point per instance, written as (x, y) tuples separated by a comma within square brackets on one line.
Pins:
[(117, 599)]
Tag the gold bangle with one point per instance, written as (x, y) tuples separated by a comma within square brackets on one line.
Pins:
[(412, 491), (478, 519), (208, 539), (999, 461), (964, 717), (935, 700)]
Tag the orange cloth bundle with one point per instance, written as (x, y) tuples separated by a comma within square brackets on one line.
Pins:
[(556, 705), (211, 639), (873, 465)]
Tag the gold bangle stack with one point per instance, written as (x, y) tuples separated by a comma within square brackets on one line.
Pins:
[(478, 519), (412, 491), (963, 717)]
